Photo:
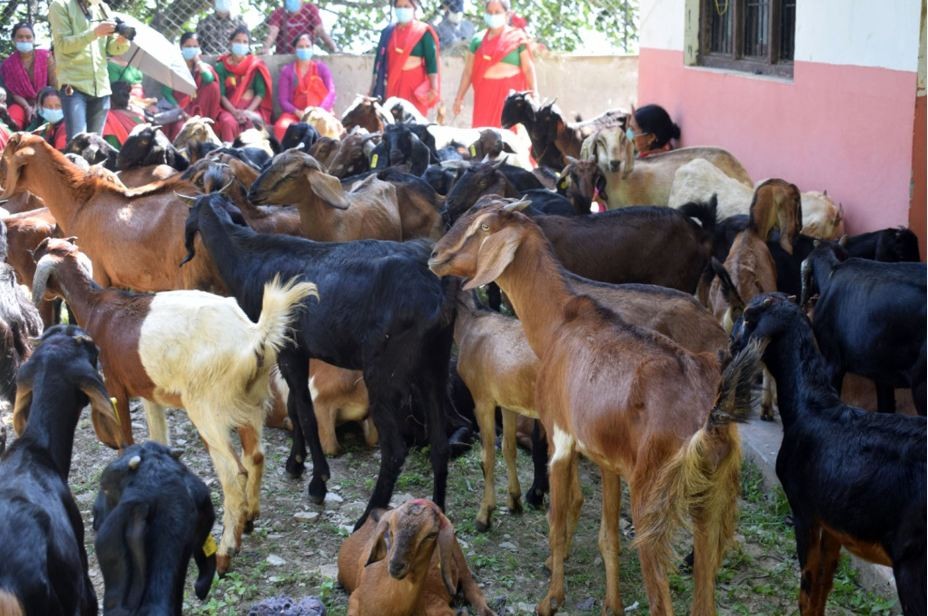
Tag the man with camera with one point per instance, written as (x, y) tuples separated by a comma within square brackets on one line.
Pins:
[(84, 33)]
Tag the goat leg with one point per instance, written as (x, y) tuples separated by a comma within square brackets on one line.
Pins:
[(392, 453), (609, 540), (535, 497), (509, 454), (910, 583), (885, 397)]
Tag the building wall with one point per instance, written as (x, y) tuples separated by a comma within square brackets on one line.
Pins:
[(844, 122)]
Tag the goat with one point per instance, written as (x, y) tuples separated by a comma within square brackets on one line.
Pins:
[(892, 245), (149, 146), (405, 562), (19, 324), (852, 478), (325, 150), (165, 348), (494, 144), (634, 402), (299, 133), (199, 150), (568, 137), (260, 138), (328, 213), (326, 124), (499, 367), (869, 320), (582, 182), (368, 113), (352, 156), (151, 515), (698, 179), (402, 343), (44, 565), (402, 144), (24, 232), (94, 149), (403, 111), (338, 396), (196, 129), (133, 237)]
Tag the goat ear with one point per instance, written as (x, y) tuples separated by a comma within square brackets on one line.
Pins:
[(21, 407), (120, 546), (629, 163), (103, 413), (446, 545), (508, 148), (328, 188), (377, 545), (494, 256)]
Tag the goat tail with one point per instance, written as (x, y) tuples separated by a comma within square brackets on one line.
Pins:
[(729, 292), (706, 212), (281, 303), (10, 605), (701, 481)]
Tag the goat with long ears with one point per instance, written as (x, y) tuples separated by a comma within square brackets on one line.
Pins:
[(853, 478), (633, 401), (44, 566)]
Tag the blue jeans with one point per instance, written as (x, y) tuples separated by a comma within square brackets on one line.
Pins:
[(84, 113)]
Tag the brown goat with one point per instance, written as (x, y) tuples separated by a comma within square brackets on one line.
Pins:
[(406, 562), (636, 403), (328, 213), (776, 203), (25, 231), (134, 238), (142, 176), (366, 112), (22, 202), (498, 366), (582, 181), (324, 150), (352, 157)]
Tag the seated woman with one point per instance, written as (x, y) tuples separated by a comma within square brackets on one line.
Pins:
[(49, 119), (498, 62), (205, 102), (245, 88), (406, 63), (24, 73), (121, 118), (304, 83), (651, 129)]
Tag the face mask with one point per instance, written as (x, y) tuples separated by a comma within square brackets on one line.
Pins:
[(495, 20), (189, 53), (629, 134), (24, 46), (240, 49), (455, 18), (292, 6), (222, 6), (304, 53), (404, 15), (52, 115)]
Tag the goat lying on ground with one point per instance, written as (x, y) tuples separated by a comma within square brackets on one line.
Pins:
[(406, 562), (133, 237), (44, 564), (869, 320), (385, 314), (853, 478), (636, 403), (165, 349), (151, 515)]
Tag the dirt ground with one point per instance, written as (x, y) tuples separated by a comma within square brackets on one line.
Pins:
[(294, 546)]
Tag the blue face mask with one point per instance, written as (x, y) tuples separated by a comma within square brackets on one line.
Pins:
[(404, 14), (240, 49), (24, 46), (494, 20), (293, 6), (222, 6), (52, 115), (189, 53), (629, 134), (304, 53)]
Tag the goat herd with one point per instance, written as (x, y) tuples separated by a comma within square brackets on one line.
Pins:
[(336, 271)]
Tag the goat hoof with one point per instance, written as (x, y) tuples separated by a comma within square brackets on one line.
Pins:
[(686, 566), (535, 498), (223, 563), (249, 527), (548, 606), (317, 490), (515, 505), (482, 526), (295, 469), (460, 442)]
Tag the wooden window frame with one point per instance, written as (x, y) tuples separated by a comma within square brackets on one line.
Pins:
[(771, 65)]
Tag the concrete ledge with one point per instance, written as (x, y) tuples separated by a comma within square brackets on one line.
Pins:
[(760, 442)]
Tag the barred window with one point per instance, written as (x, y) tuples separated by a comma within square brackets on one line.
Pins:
[(756, 36)]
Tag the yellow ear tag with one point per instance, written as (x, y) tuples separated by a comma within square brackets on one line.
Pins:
[(209, 546), (115, 409), (564, 183), (374, 160), (473, 151)]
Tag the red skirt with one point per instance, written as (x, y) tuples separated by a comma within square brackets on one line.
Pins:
[(406, 84), (489, 97)]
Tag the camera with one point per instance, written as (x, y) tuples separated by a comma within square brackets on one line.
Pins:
[(124, 30)]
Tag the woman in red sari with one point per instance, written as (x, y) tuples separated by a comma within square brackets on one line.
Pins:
[(304, 83), (205, 102), (498, 61), (406, 64), (24, 74), (245, 86)]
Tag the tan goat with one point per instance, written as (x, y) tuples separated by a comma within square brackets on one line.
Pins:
[(326, 124), (406, 562)]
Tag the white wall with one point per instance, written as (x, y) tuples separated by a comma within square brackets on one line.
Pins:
[(877, 33)]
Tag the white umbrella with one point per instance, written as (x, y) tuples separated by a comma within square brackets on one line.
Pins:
[(156, 57)]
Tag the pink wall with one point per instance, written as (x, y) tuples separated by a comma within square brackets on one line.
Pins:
[(847, 129)]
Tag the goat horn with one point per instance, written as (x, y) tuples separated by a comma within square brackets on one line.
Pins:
[(517, 206), (43, 270), (185, 197), (134, 462)]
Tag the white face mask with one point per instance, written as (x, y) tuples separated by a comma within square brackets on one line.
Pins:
[(455, 18)]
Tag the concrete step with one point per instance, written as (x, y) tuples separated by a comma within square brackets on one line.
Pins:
[(760, 442)]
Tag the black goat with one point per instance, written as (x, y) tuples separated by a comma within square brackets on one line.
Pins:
[(405, 144), (299, 133), (197, 150), (520, 109), (151, 515), (44, 564), (852, 477), (383, 312), (147, 146), (441, 177), (94, 149), (893, 245), (869, 320)]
